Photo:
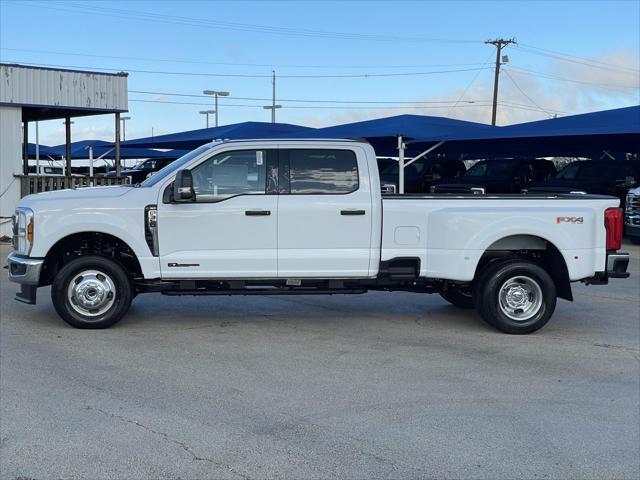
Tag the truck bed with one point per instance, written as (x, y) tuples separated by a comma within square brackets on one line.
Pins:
[(450, 232)]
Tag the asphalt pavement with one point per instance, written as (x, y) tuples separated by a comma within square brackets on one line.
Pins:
[(381, 385)]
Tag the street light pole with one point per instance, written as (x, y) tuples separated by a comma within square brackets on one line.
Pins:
[(207, 112), (216, 94), (124, 126)]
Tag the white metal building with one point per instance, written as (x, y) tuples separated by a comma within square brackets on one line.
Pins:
[(31, 94)]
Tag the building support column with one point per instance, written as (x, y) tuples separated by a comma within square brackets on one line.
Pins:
[(117, 159), (25, 148), (67, 141)]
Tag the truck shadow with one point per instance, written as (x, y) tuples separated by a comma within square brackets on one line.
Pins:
[(361, 311)]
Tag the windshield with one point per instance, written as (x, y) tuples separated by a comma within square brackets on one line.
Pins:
[(491, 169), (175, 166), (582, 170)]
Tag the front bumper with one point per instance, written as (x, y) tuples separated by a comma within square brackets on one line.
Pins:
[(26, 272), (632, 225)]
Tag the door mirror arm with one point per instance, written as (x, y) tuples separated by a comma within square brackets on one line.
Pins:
[(183, 187)]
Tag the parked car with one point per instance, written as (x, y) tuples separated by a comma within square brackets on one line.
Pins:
[(605, 177), (503, 175), (292, 217), (421, 174), (385, 162), (143, 169), (46, 170), (632, 215)]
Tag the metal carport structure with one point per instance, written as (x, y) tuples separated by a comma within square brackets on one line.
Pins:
[(194, 138), (616, 130)]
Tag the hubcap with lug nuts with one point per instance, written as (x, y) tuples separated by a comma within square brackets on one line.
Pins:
[(91, 293), (520, 298)]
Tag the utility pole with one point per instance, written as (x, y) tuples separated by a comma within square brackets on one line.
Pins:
[(273, 105), (499, 43)]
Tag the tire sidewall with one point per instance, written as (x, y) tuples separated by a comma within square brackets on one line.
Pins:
[(122, 284), (489, 302)]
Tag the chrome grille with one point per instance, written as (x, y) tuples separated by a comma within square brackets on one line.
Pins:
[(14, 231), (633, 204), (632, 210)]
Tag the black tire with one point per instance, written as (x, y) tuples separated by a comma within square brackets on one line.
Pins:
[(460, 297), (104, 281), (516, 297), (635, 240), (481, 278)]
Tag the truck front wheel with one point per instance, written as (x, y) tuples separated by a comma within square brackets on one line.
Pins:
[(91, 292), (516, 297)]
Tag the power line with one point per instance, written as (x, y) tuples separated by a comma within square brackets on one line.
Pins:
[(564, 79), (575, 59), (232, 64), (309, 107), (464, 92), (529, 106), (323, 107), (175, 94), (128, 14), (243, 75), (525, 95)]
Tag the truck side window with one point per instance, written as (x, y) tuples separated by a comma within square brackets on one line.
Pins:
[(316, 171), (230, 174)]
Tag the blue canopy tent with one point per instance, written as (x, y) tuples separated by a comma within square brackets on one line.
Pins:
[(102, 149), (44, 151), (615, 130), (383, 133), (388, 135), (194, 138)]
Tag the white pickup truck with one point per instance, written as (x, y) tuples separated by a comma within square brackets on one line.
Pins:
[(307, 217)]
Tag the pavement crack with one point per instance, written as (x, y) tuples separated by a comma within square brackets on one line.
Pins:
[(194, 456)]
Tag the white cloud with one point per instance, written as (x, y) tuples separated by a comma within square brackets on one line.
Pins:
[(555, 96), (56, 135)]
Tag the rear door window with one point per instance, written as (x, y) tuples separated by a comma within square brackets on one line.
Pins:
[(320, 171)]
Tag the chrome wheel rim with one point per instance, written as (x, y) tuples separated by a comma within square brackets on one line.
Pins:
[(520, 298), (91, 293)]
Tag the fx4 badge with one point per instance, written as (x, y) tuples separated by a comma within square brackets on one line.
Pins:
[(572, 220)]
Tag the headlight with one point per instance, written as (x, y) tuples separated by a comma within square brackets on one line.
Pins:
[(23, 231)]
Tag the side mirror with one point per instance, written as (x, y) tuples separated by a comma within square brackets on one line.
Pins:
[(183, 187)]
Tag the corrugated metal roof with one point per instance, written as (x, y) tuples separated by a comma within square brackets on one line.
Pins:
[(55, 88)]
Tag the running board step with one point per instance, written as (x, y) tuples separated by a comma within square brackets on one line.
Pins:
[(266, 291)]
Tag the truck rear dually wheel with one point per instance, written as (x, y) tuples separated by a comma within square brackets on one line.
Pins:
[(516, 297), (91, 292)]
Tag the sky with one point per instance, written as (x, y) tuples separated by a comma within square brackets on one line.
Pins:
[(335, 62)]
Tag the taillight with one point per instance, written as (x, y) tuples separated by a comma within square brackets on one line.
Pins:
[(613, 224)]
